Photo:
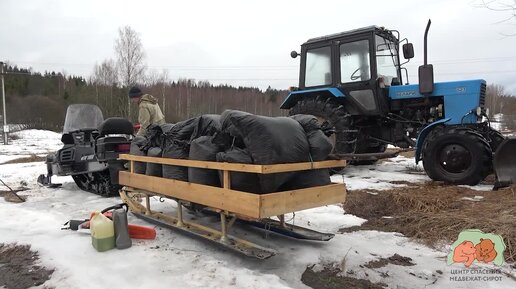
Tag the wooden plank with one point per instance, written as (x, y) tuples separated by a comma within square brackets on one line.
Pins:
[(227, 180), (280, 168), (248, 168), (291, 201), (243, 203)]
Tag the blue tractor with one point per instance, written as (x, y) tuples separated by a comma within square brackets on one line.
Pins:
[(355, 83)]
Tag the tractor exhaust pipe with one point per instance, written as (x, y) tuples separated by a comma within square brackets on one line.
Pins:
[(426, 71), (426, 38)]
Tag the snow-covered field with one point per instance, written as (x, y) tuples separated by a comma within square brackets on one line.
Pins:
[(30, 142), (174, 260)]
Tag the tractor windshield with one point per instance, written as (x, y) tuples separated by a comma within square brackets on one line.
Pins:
[(387, 59), (354, 61), (82, 117)]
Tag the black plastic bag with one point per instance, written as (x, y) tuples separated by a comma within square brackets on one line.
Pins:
[(176, 145), (203, 149), (182, 131), (246, 182), (152, 168), (307, 121), (136, 143), (155, 135), (175, 150), (206, 125), (320, 145), (307, 179), (270, 140)]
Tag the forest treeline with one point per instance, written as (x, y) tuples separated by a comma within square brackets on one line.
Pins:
[(41, 99)]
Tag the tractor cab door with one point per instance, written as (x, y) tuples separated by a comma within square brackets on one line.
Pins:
[(357, 76), (387, 68), (368, 65)]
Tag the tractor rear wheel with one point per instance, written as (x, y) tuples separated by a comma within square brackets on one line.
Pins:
[(345, 139), (457, 156), (327, 110)]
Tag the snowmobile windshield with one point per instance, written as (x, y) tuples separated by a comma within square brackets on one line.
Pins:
[(82, 117)]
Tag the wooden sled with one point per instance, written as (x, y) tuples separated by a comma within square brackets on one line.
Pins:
[(231, 205)]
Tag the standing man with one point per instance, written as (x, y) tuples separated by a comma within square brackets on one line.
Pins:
[(149, 111)]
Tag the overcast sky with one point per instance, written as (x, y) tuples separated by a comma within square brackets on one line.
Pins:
[(248, 42)]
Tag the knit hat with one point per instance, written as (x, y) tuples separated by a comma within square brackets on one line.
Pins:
[(135, 92)]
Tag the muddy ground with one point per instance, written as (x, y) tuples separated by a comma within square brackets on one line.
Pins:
[(19, 267)]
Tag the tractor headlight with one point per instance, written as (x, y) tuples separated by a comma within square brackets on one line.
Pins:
[(479, 111)]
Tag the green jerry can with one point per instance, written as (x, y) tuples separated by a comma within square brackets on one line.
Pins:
[(102, 232)]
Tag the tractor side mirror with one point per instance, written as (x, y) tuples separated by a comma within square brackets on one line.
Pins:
[(408, 50), (426, 79), (294, 54)]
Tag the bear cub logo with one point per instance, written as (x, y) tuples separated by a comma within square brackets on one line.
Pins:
[(464, 253), (485, 251)]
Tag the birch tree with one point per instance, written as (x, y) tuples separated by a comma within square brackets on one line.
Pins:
[(130, 59)]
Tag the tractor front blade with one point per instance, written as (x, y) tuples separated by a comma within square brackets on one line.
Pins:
[(505, 163)]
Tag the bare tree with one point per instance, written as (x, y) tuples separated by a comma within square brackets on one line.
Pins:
[(504, 6), (130, 59), (495, 95), (105, 77), (164, 82)]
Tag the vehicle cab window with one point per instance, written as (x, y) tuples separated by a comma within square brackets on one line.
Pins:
[(386, 59), (354, 61), (318, 67)]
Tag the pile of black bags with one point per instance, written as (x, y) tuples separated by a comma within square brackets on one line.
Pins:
[(238, 137)]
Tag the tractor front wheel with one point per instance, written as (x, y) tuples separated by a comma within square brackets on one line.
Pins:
[(457, 156)]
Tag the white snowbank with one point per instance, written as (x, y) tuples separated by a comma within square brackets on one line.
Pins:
[(382, 175)]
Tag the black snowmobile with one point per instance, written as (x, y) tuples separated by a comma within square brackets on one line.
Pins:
[(90, 151)]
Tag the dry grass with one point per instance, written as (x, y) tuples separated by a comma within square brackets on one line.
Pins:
[(435, 213), (13, 137), (18, 269), (32, 158), (408, 153), (12, 196)]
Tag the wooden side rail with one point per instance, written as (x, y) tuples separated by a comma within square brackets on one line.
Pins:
[(236, 167), (242, 203)]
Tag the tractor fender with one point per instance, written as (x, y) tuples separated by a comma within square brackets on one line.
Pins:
[(294, 96), (422, 136)]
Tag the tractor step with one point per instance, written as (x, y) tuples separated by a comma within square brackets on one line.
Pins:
[(366, 156)]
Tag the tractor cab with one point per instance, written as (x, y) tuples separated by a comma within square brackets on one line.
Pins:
[(357, 64)]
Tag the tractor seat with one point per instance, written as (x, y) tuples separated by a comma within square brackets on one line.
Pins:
[(115, 125)]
